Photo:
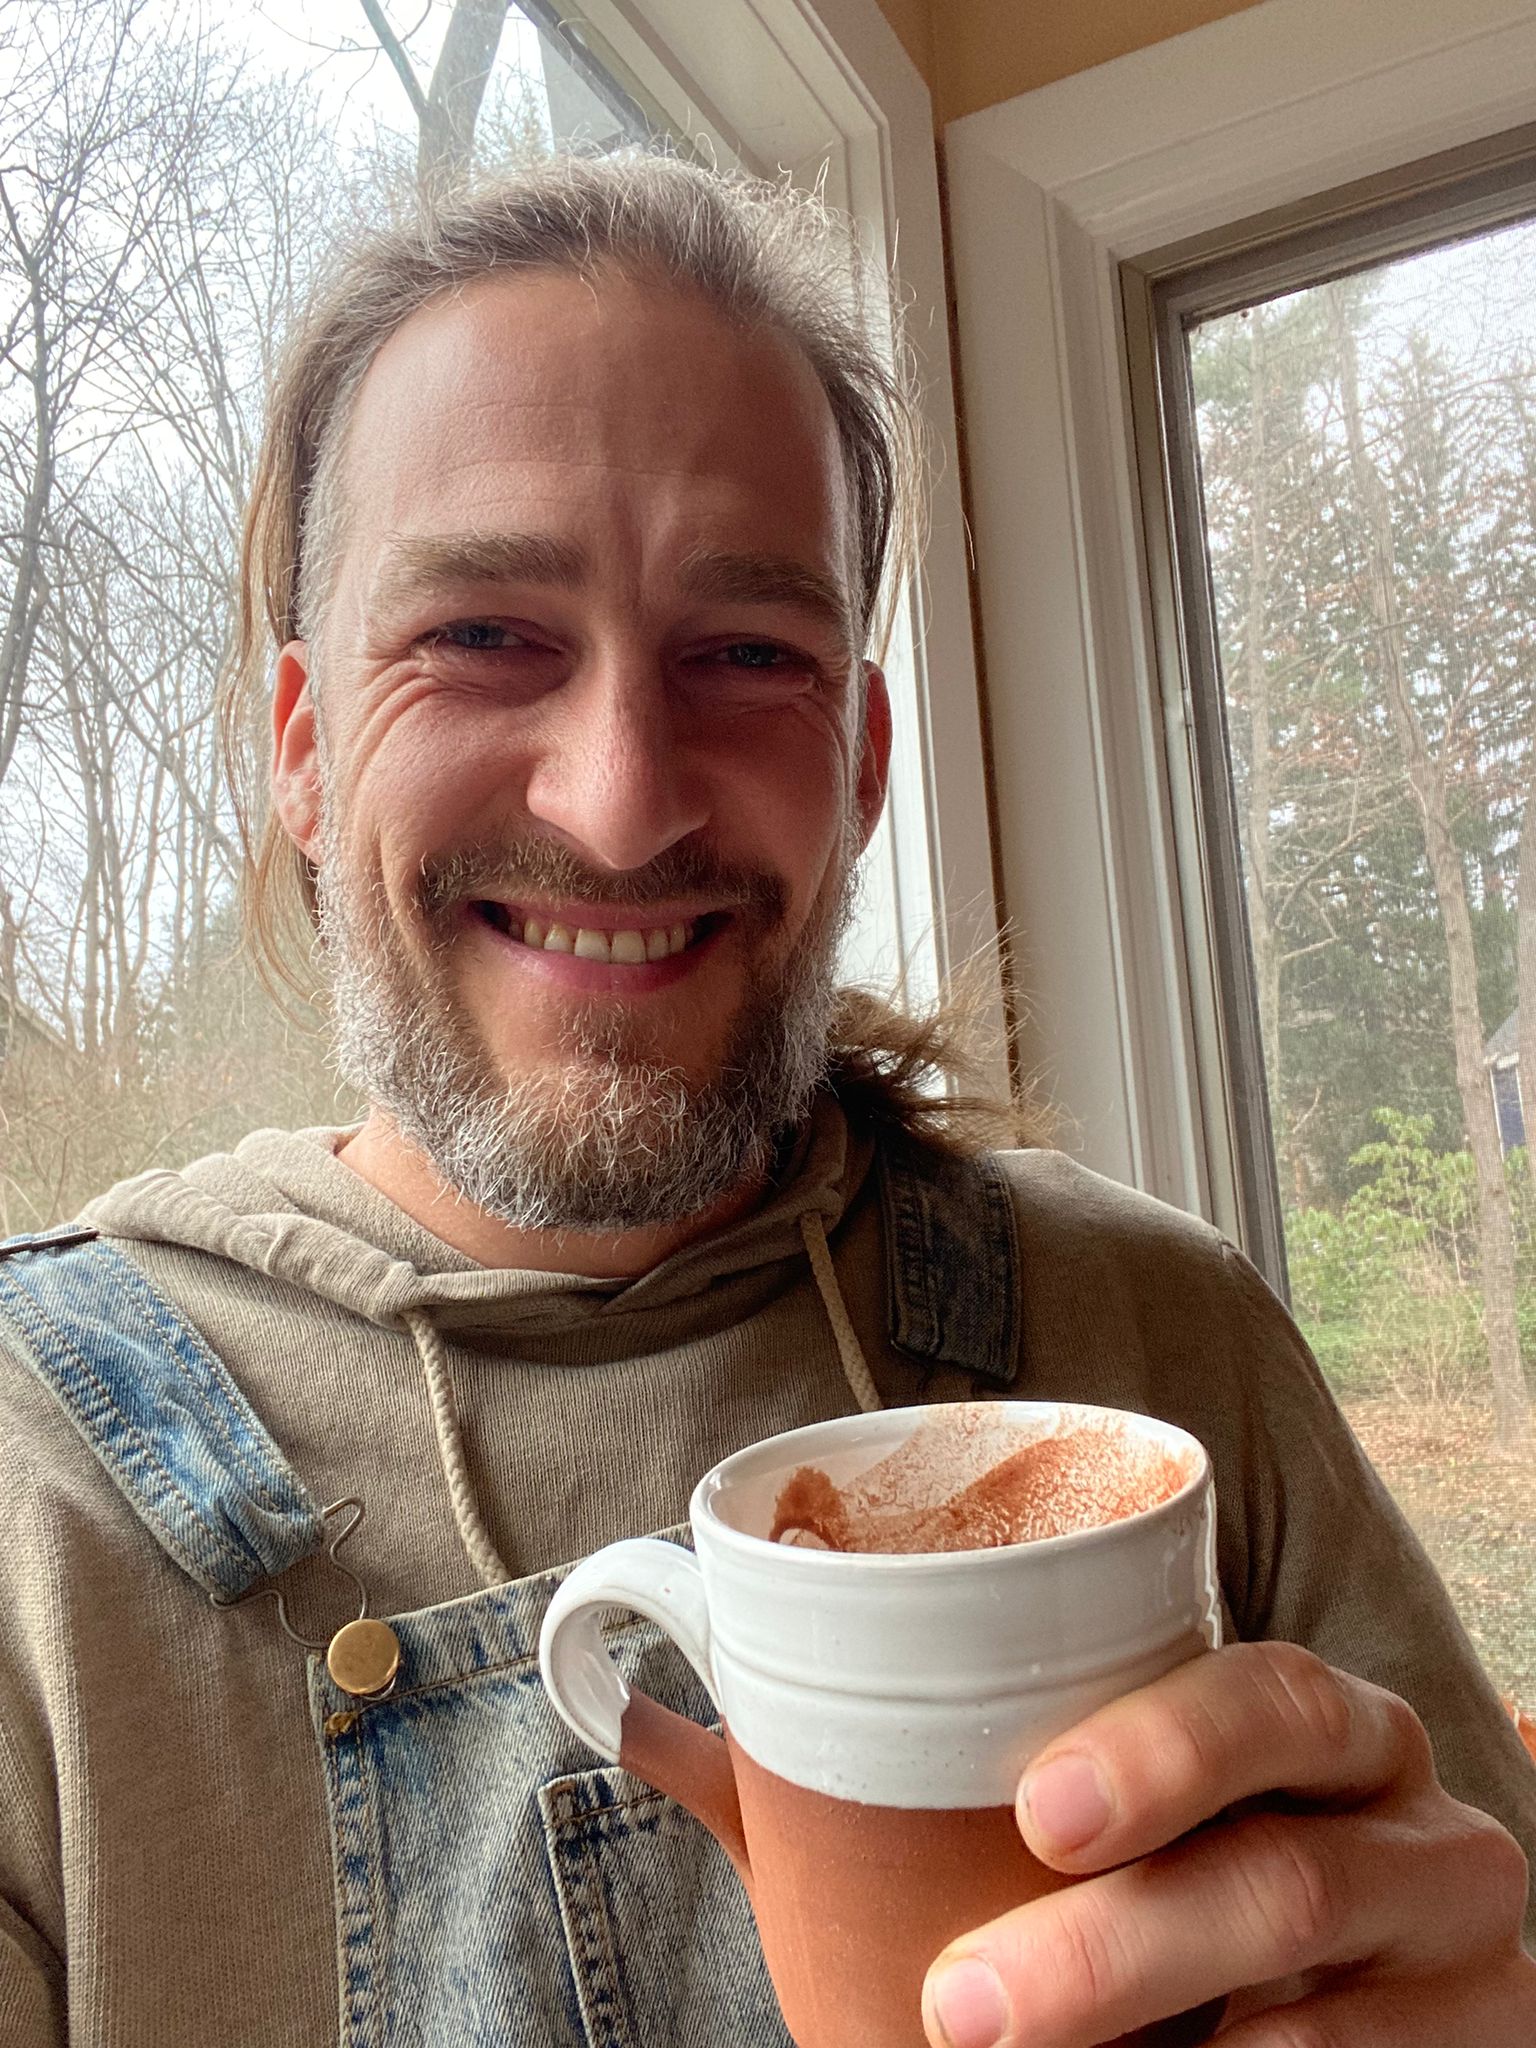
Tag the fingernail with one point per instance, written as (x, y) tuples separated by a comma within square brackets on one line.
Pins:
[(1066, 1802), (968, 2002)]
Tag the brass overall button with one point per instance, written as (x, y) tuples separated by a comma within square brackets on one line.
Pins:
[(363, 1658)]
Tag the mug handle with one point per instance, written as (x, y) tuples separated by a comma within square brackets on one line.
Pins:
[(663, 1582)]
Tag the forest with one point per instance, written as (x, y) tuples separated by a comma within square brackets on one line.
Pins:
[(1368, 469), (1368, 456)]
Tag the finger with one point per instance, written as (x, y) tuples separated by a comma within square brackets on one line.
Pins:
[(1249, 1901), (1497, 2010), (1255, 1718)]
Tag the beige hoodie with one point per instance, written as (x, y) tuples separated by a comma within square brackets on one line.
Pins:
[(163, 1840)]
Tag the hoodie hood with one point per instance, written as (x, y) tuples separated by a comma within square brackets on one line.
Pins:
[(283, 1204)]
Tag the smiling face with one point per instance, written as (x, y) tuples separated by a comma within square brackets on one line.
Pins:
[(597, 754)]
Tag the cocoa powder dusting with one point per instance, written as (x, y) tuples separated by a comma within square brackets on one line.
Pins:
[(810, 1505), (1078, 1478)]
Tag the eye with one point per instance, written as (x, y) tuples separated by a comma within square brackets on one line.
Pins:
[(758, 654), (484, 635)]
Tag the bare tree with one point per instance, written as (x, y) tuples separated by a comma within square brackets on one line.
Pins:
[(159, 214), (76, 132), (448, 107), (1312, 780)]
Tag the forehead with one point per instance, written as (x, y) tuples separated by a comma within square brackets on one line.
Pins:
[(632, 414)]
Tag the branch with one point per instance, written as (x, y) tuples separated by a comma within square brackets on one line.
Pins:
[(394, 50)]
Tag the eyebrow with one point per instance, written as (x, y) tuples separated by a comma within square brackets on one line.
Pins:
[(419, 562), (717, 576)]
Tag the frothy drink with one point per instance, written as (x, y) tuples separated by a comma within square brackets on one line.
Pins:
[(890, 1634), (965, 1481)]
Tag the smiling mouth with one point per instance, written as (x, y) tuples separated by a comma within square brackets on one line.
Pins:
[(628, 946)]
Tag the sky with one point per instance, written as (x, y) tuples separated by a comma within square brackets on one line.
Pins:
[(331, 41), (1474, 297)]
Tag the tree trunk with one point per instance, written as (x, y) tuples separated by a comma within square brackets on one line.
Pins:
[(1255, 673), (25, 604), (458, 86), (447, 112), (1525, 958), (1495, 1223), (1525, 881)]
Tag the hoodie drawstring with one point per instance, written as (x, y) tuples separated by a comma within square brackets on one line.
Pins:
[(478, 1547), (855, 1369)]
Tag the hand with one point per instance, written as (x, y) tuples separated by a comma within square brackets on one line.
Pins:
[(1370, 1908)]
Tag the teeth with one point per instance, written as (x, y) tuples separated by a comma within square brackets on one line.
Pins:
[(628, 948)]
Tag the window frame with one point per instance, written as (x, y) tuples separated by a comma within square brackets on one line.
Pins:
[(1105, 834), (1456, 194)]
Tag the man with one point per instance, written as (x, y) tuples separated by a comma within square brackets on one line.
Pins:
[(570, 529)]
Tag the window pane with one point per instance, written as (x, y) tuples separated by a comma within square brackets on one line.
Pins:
[(1368, 467)]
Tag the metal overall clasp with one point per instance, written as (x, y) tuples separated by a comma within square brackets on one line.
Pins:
[(363, 1656)]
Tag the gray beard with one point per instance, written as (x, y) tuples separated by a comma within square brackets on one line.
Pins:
[(609, 1138)]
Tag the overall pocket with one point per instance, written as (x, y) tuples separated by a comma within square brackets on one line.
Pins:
[(491, 1891), (664, 1950)]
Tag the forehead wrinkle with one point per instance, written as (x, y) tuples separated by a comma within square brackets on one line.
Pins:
[(721, 575), (417, 562)]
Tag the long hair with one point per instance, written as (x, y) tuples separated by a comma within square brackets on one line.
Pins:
[(923, 1072)]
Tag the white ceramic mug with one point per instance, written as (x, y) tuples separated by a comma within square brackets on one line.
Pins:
[(879, 1708)]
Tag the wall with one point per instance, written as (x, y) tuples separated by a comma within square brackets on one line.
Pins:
[(975, 53)]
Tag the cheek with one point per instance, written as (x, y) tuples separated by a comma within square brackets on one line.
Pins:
[(425, 788), (795, 785), (413, 746)]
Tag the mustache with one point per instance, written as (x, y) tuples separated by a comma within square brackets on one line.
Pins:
[(511, 871)]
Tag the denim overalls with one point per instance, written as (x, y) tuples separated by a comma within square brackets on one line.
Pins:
[(491, 1885)]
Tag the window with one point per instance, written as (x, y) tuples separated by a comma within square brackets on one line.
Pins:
[(1285, 151), (137, 342), (1352, 460)]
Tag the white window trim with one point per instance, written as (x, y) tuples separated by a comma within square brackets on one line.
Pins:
[(1049, 194), (827, 94)]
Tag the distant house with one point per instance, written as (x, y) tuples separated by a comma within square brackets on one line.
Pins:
[(1501, 1056)]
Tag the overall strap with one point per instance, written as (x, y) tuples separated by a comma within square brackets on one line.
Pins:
[(952, 1256), (158, 1409)]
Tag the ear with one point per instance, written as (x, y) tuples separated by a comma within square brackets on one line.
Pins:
[(875, 755), (295, 758)]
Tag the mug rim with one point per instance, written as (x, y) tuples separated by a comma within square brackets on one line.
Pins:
[(995, 1556)]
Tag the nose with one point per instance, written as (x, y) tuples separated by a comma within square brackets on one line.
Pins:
[(615, 777)]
